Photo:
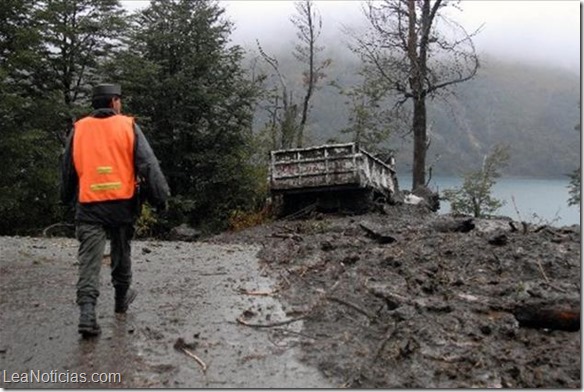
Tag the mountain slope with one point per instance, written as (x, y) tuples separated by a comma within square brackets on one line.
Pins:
[(534, 109)]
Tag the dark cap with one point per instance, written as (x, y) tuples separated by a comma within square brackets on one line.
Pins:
[(107, 89)]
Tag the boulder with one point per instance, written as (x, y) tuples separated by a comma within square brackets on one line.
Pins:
[(184, 233)]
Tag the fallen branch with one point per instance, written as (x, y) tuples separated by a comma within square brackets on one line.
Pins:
[(294, 237), (59, 224), (351, 305), (388, 335), (258, 293), (180, 345), (288, 331), (276, 324), (319, 302), (541, 270), (302, 212), (212, 273)]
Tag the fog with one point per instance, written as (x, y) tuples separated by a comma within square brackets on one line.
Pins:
[(546, 32), (532, 31)]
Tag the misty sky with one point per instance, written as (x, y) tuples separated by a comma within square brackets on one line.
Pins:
[(533, 31)]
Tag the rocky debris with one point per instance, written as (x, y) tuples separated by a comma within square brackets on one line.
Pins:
[(454, 225), (500, 239), (379, 234), (431, 198), (431, 301)]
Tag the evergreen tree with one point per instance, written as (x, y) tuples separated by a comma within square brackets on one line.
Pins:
[(50, 52), (195, 103), (78, 35), (28, 189)]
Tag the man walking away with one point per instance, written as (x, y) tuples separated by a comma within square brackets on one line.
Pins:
[(107, 156)]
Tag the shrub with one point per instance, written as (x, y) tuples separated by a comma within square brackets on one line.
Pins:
[(474, 197)]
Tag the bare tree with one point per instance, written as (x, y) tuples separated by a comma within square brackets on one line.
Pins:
[(309, 26), (283, 106), (416, 51), (287, 120)]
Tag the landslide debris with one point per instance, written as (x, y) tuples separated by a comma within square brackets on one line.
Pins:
[(408, 298)]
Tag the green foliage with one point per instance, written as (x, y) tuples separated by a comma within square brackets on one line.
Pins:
[(575, 188), (240, 220), (528, 107), (194, 101), (49, 53), (474, 197), (370, 122), (28, 185), (146, 222), (77, 36), (195, 104)]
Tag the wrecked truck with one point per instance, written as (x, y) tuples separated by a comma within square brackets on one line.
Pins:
[(330, 177)]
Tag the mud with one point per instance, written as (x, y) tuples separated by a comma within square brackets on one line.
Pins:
[(191, 291), (403, 298), (411, 299)]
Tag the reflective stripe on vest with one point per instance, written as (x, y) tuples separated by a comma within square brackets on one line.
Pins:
[(103, 155)]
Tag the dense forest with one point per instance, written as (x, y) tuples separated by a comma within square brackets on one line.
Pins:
[(211, 109)]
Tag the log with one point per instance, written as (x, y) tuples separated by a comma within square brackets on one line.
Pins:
[(548, 317)]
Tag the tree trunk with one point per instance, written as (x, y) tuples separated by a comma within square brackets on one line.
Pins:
[(311, 79), (419, 129)]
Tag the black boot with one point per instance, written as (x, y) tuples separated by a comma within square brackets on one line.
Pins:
[(87, 322), (124, 297)]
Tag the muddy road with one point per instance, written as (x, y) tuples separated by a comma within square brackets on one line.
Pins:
[(399, 298), (189, 291)]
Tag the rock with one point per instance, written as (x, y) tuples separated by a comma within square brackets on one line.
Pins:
[(490, 226), (184, 233), (453, 225), (498, 240), (413, 199), (431, 199), (351, 259), (326, 246)]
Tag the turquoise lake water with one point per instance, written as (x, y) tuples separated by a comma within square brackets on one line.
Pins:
[(539, 201)]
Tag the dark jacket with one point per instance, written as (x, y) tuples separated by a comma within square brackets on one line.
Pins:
[(153, 185)]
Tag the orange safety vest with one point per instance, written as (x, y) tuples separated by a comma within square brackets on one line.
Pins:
[(103, 155)]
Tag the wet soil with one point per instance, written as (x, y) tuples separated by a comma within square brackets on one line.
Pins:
[(404, 298), (412, 299), (189, 291)]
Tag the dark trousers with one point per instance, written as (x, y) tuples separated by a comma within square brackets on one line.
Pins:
[(92, 238)]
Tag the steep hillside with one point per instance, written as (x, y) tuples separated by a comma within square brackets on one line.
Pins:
[(533, 110)]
